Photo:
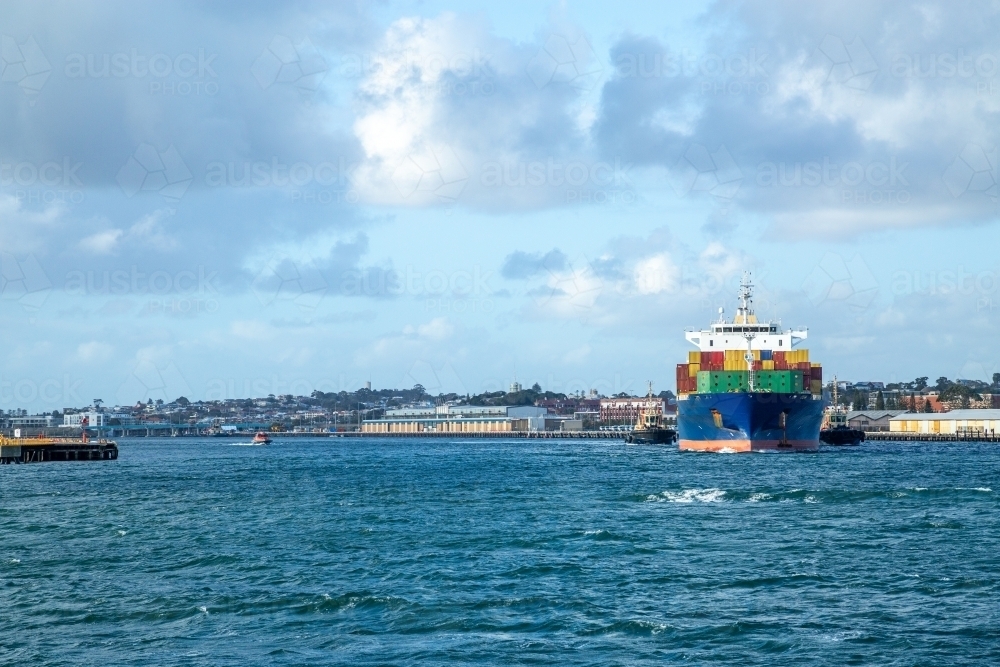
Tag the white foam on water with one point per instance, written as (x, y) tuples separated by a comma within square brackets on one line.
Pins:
[(122, 533), (757, 497), (594, 532), (689, 496), (203, 610), (983, 489), (14, 561), (811, 499), (727, 450)]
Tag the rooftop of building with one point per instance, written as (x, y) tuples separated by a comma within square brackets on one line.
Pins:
[(954, 414), (874, 414)]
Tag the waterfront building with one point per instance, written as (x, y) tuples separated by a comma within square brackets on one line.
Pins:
[(626, 410), (97, 419), (459, 419), (871, 420), (31, 421), (956, 422)]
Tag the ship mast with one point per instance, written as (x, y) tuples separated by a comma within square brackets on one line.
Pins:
[(744, 315)]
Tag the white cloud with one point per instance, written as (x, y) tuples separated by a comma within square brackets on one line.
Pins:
[(94, 352), (102, 243), (449, 101), (577, 355), (25, 230), (146, 232), (722, 261), (437, 329), (656, 274)]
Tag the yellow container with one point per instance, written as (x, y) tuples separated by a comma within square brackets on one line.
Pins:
[(756, 355), (694, 357), (815, 365), (693, 370), (816, 386), (768, 364)]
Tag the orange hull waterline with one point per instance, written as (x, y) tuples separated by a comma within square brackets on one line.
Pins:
[(742, 446)]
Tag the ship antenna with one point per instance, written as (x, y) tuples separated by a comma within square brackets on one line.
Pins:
[(743, 317)]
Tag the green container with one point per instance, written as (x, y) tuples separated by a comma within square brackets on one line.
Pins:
[(722, 382)]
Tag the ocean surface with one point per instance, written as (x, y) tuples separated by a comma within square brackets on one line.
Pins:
[(368, 552)]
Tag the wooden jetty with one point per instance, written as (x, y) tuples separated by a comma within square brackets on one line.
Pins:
[(37, 450)]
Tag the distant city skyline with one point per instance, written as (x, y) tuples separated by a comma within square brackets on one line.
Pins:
[(225, 203)]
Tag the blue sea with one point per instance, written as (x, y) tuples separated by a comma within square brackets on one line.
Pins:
[(393, 552)]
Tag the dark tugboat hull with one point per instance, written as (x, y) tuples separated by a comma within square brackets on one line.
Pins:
[(842, 436), (654, 436)]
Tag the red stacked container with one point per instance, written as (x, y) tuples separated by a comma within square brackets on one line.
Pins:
[(779, 361), (682, 378), (717, 360)]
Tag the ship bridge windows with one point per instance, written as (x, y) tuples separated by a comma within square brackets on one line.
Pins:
[(749, 329)]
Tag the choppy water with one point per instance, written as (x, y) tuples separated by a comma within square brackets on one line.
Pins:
[(189, 552)]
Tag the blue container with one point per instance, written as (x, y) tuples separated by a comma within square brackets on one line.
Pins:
[(765, 355)]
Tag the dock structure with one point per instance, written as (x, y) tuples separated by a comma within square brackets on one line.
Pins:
[(38, 450), (502, 435), (904, 436)]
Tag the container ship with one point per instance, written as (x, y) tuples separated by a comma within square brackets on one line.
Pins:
[(746, 388)]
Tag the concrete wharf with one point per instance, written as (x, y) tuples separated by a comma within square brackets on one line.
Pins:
[(37, 450), (899, 436), (493, 435)]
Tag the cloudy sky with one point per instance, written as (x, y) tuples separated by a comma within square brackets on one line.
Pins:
[(227, 202)]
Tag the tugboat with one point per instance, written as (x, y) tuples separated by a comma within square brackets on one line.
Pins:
[(837, 432), (649, 428), (261, 439)]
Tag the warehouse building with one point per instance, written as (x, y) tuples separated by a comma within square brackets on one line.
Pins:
[(459, 419), (626, 410), (872, 420), (957, 422)]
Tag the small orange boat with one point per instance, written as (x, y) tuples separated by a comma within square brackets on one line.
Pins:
[(261, 438)]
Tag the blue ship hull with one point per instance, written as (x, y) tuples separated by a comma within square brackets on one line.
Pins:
[(749, 422)]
